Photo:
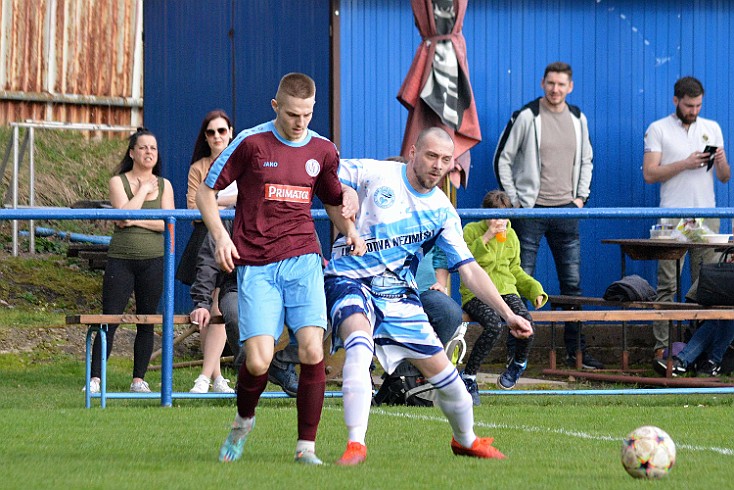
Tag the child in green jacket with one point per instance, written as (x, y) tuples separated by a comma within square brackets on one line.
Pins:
[(496, 248)]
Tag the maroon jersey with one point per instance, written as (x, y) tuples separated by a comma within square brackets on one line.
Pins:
[(276, 182)]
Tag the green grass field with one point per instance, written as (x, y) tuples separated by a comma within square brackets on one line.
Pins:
[(50, 440)]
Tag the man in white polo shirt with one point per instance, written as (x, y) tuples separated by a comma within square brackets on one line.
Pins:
[(675, 158)]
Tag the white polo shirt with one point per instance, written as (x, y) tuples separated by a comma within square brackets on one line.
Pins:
[(690, 188)]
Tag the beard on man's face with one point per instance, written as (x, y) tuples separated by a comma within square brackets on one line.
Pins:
[(686, 119)]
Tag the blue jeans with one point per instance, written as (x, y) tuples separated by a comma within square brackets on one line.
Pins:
[(712, 337), (562, 235), (443, 313)]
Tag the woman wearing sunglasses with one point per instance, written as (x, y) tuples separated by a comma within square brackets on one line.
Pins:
[(214, 136)]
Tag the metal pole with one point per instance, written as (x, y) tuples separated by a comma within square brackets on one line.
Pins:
[(169, 258), (32, 188), (16, 131)]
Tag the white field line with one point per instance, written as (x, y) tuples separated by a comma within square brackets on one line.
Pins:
[(545, 430)]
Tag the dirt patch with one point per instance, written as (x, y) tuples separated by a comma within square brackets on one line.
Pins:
[(72, 341)]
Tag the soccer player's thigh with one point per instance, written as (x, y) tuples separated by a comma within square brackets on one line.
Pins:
[(346, 298), (301, 281), (261, 309), (410, 334)]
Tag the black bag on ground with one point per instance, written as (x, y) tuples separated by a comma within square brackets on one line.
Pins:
[(716, 282), (406, 386), (630, 288)]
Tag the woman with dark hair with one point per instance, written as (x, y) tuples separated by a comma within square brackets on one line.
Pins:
[(135, 255), (214, 135)]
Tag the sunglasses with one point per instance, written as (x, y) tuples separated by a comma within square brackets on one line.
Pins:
[(221, 131)]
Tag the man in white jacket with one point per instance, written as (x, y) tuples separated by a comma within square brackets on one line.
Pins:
[(552, 171)]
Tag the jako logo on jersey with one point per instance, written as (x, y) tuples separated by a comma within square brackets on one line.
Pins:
[(270, 164), (313, 167), (287, 193), (384, 197)]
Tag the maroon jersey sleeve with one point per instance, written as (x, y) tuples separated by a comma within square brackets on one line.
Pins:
[(328, 188)]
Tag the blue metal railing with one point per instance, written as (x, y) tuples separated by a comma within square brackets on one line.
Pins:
[(171, 216)]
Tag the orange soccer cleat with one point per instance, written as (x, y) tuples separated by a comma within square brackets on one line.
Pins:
[(355, 454), (481, 448)]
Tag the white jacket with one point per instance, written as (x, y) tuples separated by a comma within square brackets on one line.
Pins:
[(517, 157)]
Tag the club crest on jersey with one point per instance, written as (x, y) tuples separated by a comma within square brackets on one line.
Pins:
[(313, 167), (384, 197)]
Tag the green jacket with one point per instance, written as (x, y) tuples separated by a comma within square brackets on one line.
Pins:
[(501, 261)]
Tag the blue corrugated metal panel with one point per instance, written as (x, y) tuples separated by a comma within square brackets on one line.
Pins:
[(626, 56), (190, 49), (378, 43)]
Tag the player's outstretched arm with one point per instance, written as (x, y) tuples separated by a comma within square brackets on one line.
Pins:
[(477, 280)]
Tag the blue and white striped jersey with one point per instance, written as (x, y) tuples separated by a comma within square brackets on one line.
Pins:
[(399, 224)]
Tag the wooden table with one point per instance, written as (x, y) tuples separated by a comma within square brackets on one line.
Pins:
[(659, 249)]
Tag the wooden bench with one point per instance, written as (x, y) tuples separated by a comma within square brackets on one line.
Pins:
[(99, 324), (563, 301), (94, 253), (577, 302), (623, 316)]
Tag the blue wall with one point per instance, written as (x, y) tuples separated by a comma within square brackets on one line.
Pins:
[(626, 56), (191, 48)]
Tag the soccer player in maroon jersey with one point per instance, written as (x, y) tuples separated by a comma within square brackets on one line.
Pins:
[(278, 166)]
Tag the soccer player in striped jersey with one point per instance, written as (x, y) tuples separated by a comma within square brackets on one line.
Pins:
[(373, 299)]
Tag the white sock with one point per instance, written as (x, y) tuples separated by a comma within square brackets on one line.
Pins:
[(305, 446), (455, 403), (242, 422), (357, 385)]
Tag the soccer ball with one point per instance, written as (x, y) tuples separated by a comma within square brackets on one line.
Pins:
[(648, 452)]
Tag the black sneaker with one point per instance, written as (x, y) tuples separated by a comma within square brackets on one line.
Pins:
[(508, 379), (709, 369), (661, 367), (472, 388), (286, 378), (587, 362)]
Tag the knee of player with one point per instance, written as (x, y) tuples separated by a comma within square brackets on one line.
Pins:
[(310, 354), (257, 366)]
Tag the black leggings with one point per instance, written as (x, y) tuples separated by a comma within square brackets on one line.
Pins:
[(121, 278), (491, 323)]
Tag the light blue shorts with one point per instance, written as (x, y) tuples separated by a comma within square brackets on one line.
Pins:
[(400, 326), (289, 292)]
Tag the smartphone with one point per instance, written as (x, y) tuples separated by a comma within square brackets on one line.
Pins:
[(711, 150)]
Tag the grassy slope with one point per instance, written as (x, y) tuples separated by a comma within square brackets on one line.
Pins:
[(40, 289)]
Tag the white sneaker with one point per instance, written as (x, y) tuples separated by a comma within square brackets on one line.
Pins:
[(139, 387), (94, 386), (221, 385), (201, 385)]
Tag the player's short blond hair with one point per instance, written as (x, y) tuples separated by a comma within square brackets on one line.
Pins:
[(296, 85)]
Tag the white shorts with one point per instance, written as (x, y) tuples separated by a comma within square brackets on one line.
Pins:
[(400, 326)]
